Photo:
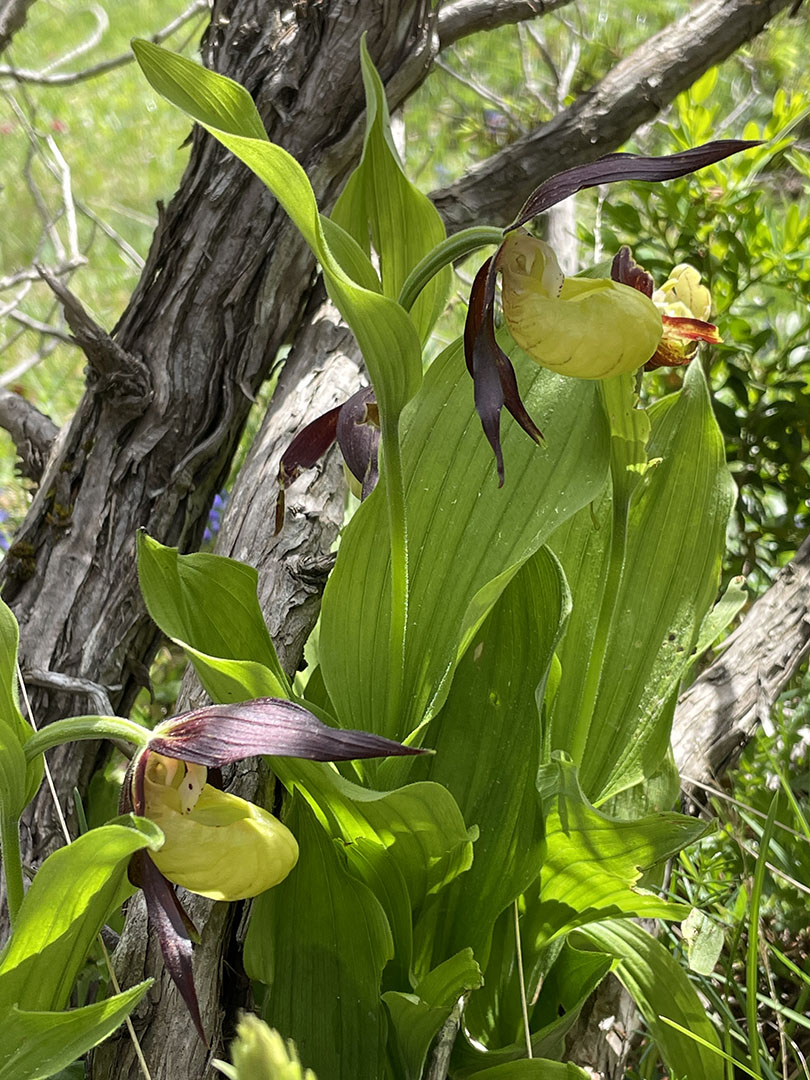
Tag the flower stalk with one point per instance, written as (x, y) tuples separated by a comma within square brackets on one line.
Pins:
[(449, 251), (12, 864), (84, 728)]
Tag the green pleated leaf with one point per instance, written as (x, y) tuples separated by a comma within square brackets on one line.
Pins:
[(466, 537), (405, 844), (386, 334), (419, 826), (208, 605), (660, 987), (320, 941), (592, 862), (417, 1018), (38, 1044), (58, 922), (613, 719), (533, 1069), (18, 782), (494, 1014), (381, 204), (487, 742), (721, 615)]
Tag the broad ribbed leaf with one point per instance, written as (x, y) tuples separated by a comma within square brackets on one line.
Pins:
[(659, 986), (592, 862), (416, 1018), (487, 742), (68, 902), (379, 202), (612, 719), (320, 941), (466, 538), (208, 603), (494, 1014), (419, 826), (18, 782), (675, 541), (386, 334), (36, 1045)]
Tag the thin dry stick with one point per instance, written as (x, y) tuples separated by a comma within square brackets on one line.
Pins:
[(66, 833), (524, 1005), (41, 78)]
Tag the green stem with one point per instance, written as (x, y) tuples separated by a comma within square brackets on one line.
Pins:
[(12, 864), (452, 249), (81, 728), (395, 494)]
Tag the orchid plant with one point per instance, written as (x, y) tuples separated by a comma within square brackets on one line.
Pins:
[(534, 638)]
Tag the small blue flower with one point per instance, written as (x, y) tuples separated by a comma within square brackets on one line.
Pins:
[(5, 540), (215, 517)]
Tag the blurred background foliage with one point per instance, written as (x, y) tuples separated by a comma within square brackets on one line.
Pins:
[(80, 180)]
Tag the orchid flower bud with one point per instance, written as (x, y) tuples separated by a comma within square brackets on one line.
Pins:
[(683, 294), (217, 844), (586, 327)]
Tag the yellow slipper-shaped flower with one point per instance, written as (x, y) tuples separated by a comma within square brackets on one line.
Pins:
[(586, 327), (217, 844)]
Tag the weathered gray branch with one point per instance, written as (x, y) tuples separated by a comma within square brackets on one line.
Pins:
[(13, 14), (722, 709), (464, 17), (118, 374), (604, 117), (32, 432), (70, 78)]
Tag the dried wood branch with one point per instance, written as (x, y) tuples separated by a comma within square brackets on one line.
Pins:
[(13, 14), (464, 17), (32, 432), (722, 709), (604, 117), (119, 374), (69, 78)]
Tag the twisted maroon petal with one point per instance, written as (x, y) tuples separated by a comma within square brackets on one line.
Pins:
[(220, 734), (174, 930), (305, 450), (613, 167), (494, 379), (626, 270)]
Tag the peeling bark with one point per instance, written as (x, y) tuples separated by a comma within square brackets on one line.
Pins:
[(723, 708), (32, 432)]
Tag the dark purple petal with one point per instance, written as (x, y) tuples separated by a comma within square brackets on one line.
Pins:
[(494, 381), (171, 924), (306, 449), (358, 436), (613, 167), (512, 399), (481, 354), (132, 798), (220, 734), (627, 271)]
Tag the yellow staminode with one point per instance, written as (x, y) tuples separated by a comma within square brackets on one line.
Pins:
[(589, 328), (217, 844)]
